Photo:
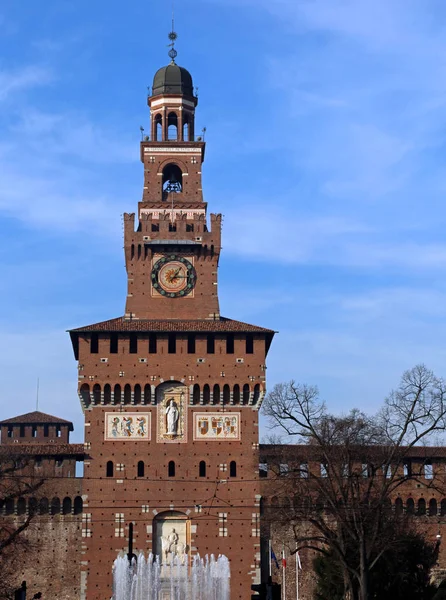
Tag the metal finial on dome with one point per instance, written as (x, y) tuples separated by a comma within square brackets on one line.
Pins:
[(172, 37)]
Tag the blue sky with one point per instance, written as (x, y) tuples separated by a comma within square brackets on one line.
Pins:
[(326, 131)]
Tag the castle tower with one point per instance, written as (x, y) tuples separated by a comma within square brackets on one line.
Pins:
[(171, 390)]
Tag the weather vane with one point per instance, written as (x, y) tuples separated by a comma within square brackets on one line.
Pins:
[(172, 37)]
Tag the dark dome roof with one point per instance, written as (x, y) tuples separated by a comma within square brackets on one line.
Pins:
[(172, 80)]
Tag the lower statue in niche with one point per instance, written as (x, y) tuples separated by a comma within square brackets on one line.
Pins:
[(171, 545)]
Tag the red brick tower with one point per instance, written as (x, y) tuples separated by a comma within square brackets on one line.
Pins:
[(171, 390)]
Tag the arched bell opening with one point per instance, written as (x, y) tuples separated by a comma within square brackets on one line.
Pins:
[(172, 180), (158, 128), (172, 127), (171, 535)]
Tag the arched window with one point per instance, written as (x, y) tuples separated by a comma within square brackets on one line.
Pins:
[(44, 506), (232, 469), (55, 506), (398, 506), (9, 506), (421, 507), (158, 128), (107, 393), (186, 129), (97, 393), (140, 470), (246, 393), (85, 394), (21, 506), (256, 393), (117, 394), (196, 394), (127, 394), (236, 394), (202, 468), (433, 507), (226, 394), (147, 393), (109, 469), (66, 506), (137, 394), (78, 505), (410, 506), (171, 469), (172, 179), (172, 126), (216, 394), (33, 506), (206, 394)]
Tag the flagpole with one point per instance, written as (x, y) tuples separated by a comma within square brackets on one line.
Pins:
[(269, 558), (297, 574), (283, 572)]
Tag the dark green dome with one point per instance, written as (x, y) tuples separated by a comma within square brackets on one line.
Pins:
[(172, 80)]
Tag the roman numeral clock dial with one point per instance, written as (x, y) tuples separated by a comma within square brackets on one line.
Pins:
[(173, 276)]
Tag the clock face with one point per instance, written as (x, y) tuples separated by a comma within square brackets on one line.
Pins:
[(173, 276)]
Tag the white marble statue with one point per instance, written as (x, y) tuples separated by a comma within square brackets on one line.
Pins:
[(171, 544), (172, 415)]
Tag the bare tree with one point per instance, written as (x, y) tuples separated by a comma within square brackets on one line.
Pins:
[(17, 482), (348, 468)]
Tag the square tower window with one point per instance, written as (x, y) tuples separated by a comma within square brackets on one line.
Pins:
[(94, 343), (114, 343), (230, 343), (191, 343), (133, 345), (211, 343), (152, 343), (171, 343)]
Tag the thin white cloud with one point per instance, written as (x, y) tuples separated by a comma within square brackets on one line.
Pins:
[(24, 78)]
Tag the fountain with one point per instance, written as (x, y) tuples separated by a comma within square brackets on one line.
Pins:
[(180, 579)]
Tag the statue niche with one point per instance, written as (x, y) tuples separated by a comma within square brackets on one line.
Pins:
[(171, 535), (171, 399)]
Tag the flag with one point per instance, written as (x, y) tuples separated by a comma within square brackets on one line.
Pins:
[(299, 564), (274, 558), (283, 559)]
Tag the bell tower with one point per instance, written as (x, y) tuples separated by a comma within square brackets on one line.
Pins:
[(171, 222), (171, 389)]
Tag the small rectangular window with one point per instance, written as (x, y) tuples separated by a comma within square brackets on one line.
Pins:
[(303, 470), (283, 470), (114, 343), (152, 343), (94, 343), (59, 462), (211, 343), (263, 470), (324, 470), (155, 227), (10, 431), (133, 343), (407, 469), (249, 343), (58, 431), (365, 470), (46, 431), (230, 343), (191, 343), (38, 461), (428, 471), (171, 343), (22, 430), (34, 431)]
